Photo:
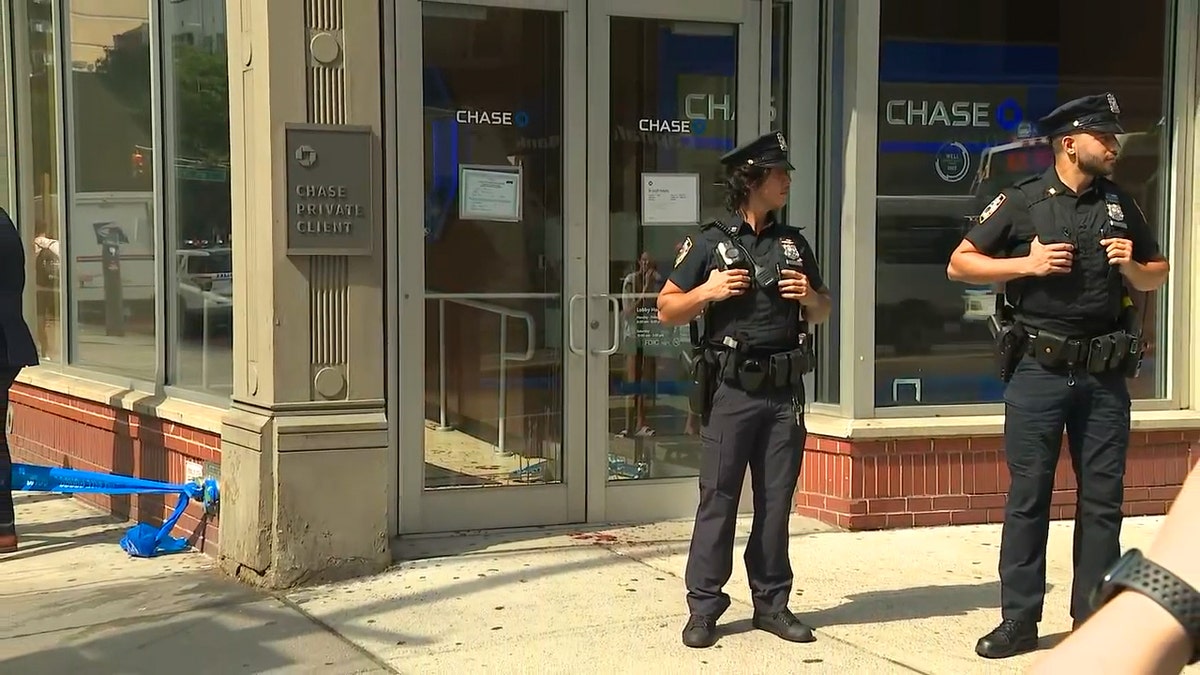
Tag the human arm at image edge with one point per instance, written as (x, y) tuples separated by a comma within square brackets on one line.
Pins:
[(1132, 633)]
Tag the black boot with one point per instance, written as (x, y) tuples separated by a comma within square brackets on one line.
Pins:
[(1010, 638), (700, 631), (784, 625)]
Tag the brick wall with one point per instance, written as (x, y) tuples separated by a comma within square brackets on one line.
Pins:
[(882, 484), (54, 429)]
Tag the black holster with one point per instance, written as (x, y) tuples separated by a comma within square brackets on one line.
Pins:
[(1131, 365), (703, 382), (1011, 341), (702, 372)]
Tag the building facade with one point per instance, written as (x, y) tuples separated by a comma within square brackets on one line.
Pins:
[(388, 268)]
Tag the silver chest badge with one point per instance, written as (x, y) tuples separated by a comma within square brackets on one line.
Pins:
[(789, 249), (1115, 212)]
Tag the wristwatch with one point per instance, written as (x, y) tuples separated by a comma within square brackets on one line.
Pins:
[(1136, 572)]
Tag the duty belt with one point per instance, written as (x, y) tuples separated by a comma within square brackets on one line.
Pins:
[(755, 374), (1112, 351)]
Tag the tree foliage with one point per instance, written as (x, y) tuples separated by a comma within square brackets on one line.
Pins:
[(199, 83)]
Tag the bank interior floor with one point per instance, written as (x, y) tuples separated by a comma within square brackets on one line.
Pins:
[(666, 446)]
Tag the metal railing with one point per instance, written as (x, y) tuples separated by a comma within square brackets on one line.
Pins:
[(472, 300)]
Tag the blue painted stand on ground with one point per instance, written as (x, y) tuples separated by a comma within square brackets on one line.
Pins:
[(142, 540)]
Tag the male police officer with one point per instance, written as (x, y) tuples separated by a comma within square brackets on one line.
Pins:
[(1066, 243), (761, 286)]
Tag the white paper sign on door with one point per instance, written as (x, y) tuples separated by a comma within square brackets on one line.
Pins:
[(670, 198), (490, 193)]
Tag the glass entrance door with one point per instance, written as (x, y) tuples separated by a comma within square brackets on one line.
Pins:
[(491, 386), (672, 85), (566, 147)]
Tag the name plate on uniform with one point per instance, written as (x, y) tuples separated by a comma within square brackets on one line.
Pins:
[(330, 189)]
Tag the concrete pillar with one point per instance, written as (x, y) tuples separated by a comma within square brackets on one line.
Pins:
[(307, 478)]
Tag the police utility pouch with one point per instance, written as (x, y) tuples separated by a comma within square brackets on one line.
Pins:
[(1132, 364), (752, 375), (1100, 354), (1054, 351)]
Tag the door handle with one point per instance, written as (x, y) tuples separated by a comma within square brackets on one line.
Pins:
[(615, 303), (578, 351)]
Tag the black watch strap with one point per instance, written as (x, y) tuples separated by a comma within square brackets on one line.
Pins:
[(1159, 584)]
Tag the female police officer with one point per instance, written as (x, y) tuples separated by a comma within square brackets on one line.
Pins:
[(1066, 243), (761, 286)]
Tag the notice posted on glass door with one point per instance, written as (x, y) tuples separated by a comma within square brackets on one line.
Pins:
[(490, 193), (670, 198)]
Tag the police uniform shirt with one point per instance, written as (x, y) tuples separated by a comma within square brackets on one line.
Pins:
[(1086, 301), (760, 318)]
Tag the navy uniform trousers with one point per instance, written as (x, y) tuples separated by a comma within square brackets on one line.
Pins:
[(1094, 410), (758, 431)]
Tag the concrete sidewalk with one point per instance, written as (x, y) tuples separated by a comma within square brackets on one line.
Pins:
[(612, 601), (537, 601), (73, 602)]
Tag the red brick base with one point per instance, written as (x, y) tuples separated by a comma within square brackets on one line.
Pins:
[(54, 429), (883, 484)]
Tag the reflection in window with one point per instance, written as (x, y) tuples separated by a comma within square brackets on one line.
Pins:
[(35, 49), (493, 98), (111, 265), (198, 197), (957, 101)]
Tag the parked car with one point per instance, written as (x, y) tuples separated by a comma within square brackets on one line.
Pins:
[(205, 287)]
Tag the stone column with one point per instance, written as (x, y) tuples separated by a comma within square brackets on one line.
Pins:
[(306, 474)]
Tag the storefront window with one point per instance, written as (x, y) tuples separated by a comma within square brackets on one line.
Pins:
[(35, 34), (110, 205), (960, 87), (198, 202)]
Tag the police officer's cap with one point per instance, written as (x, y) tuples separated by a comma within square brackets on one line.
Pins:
[(768, 151), (1096, 113)]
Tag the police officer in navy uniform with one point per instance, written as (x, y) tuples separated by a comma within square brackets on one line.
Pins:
[(1069, 245), (759, 287)]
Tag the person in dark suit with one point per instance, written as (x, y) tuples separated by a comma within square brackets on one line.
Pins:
[(17, 350)]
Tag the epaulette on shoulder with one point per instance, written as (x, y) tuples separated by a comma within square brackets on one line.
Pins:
[(1032, 188), (718, 226)]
